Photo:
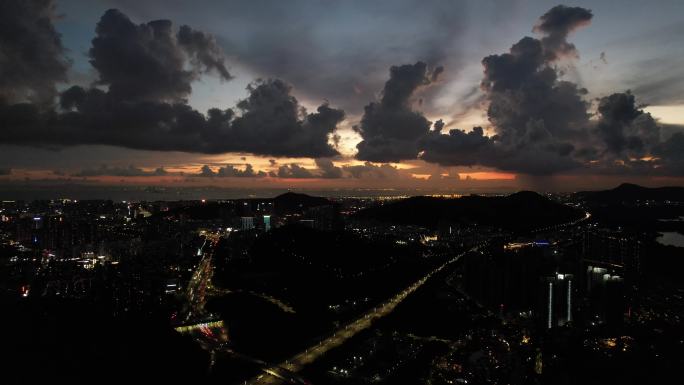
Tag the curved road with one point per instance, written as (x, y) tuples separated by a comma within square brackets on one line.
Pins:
[(275, 375)]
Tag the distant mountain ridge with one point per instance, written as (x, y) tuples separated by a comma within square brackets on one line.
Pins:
[(520, 211), (628, 192), (290, 202), (284, 204)]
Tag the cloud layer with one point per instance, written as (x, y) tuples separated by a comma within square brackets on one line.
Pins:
[(106, 170), (151, 61), (389, 127), (139, 100), (540, 123), (32, 58)]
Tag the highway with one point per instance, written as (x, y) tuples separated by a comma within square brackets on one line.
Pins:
[(586, 216), (200, 282), (210, 333), (284, 371)]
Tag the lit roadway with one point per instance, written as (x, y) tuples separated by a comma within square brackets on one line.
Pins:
[(200, 282), (208, 332), (586, 216), (285, 370)]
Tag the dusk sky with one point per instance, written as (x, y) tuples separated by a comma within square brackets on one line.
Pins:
[(432, 95)]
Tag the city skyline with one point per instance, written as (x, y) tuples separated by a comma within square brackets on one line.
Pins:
[(299, 289), (119, 93)]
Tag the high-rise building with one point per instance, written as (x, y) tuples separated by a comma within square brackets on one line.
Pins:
[(267, 222), (606, 296), (307, 223), (557, 300), (247, 223), (506, 279), (324, 217), (594, 277)]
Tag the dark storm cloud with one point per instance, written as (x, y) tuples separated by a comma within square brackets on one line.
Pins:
[(204, 52), (438, 126), (206, 171), (148, 71), (147, 62), (32, 57), (272, 122), (541, 123), (624, 127), (294, 171), (458, 147), (328, 170), (527, 101), (556, 24), (538, 119), (370, 170), (95, 118), (231, 171), (630, 141), (390, 128), (131, 170)]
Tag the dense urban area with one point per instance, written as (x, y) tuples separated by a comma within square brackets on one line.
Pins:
[(385, 192), (523, 288)]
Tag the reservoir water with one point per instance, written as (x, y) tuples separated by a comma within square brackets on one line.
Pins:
[(671, 238)]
